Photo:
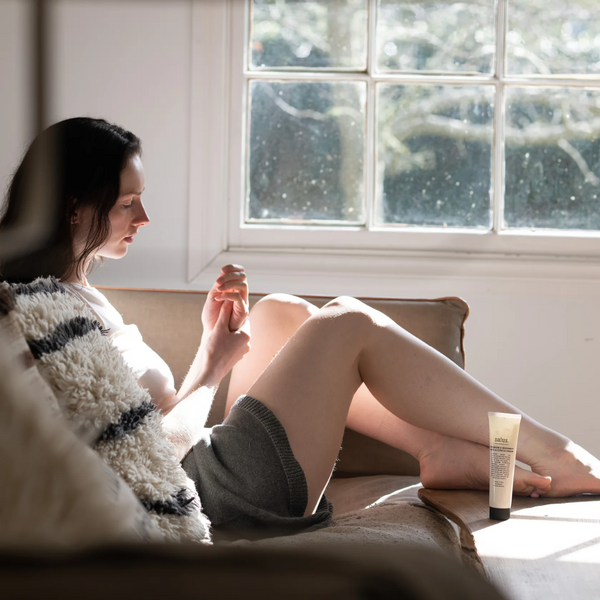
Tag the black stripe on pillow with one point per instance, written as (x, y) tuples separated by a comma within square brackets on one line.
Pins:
[(39, 286), (128, 422), (182, 504), (7, 301), (65, 332)]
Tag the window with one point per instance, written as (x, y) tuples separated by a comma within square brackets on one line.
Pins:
[(431, 126)]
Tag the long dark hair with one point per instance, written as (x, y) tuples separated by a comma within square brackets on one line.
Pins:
[(87, 156)]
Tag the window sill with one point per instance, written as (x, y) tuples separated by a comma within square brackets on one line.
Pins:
[(359, 272)]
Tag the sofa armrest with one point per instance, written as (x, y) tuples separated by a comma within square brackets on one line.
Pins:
[(159, 571)]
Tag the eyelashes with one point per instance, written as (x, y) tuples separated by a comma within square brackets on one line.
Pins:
[(130, 202)]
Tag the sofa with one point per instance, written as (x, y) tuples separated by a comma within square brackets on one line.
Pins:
[(383, 542)]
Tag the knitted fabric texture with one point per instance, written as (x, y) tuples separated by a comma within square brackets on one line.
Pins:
[(105, 406)]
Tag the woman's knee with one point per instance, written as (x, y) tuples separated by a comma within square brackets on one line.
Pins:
[(345, 311), (283, 308), (348, 304), (351, 309)]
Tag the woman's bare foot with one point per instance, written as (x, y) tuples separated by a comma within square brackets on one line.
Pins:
[(452, 463), (572, 468)]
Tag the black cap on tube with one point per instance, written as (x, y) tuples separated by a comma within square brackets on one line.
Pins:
[(499, 514)]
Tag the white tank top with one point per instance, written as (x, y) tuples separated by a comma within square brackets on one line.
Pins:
[(150, 370)]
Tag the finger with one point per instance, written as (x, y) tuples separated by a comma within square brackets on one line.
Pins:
[(232, 273), (228, 319), (233, 281), (231, 268), (234, 277), (224, 315), (214, 290), (233, 296), (239, 286), (240, 309)]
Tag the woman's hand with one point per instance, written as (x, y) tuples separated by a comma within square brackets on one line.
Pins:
[(231, 285), (226, 335), (221, 348)]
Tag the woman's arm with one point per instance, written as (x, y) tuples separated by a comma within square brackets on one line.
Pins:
[(185, 422)]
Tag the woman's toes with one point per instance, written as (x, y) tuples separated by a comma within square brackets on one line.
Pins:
[(527, 483)]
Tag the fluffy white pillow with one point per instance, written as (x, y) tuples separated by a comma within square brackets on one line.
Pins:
[(55, 490)]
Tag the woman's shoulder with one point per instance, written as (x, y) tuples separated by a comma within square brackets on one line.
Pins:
[(106, 312), (90, 293)]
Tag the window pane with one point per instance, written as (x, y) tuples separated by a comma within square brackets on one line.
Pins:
[(553, 37), (309, 35), (306, 152), (438, 36), (434, 155), (552, 158)]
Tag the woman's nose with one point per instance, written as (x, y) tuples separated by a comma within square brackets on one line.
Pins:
[(141, 217)]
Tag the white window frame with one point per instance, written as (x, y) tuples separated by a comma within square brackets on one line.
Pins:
[(217, 233)]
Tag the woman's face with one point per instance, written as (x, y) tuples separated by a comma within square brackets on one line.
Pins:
[(126, 216)]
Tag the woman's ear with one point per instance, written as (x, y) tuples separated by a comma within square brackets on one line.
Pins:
[(75, 213)]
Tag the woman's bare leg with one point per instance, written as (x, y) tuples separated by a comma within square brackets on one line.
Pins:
[(310, 383), (273, 321), (445, 462)]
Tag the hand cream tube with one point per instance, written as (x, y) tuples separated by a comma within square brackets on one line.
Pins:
[(504, 431)]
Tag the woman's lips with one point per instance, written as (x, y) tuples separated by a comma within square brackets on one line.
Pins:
[(129, 239)]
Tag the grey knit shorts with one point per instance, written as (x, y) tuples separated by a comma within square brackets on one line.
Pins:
[(249, 482)]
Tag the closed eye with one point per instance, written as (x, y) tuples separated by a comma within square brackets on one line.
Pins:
[(130, 203)]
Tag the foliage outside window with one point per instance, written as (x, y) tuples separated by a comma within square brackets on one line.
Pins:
[(471, 115)]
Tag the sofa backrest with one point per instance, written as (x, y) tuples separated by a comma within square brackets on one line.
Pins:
[(170, 322)]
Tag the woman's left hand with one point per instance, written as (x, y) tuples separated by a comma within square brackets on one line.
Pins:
[(232, 284)]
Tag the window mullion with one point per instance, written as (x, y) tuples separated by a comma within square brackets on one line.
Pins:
[(371, 129), (499, 120), (498, 164), (370, 154)]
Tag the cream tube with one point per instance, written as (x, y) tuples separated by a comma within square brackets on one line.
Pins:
[(504, 431)]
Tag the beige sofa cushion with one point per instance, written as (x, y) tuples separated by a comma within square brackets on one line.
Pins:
[(170, 322)]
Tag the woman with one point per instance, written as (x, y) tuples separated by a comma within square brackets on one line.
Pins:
[(310, 371)]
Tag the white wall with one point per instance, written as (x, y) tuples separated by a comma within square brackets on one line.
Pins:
[(129, 62), (535, 342), (15, 108)]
